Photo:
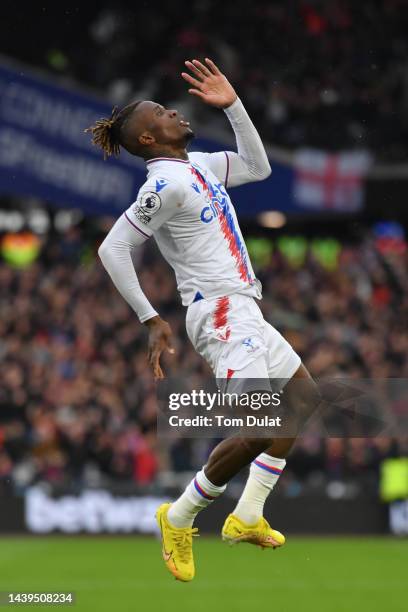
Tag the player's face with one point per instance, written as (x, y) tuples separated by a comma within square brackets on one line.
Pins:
[(166, 125)]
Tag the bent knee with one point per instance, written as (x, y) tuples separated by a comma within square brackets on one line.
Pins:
[(254, 446)]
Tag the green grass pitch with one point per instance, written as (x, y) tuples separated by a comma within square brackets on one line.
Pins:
[(127, 574)]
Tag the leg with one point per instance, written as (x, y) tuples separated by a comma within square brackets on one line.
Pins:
[(226, 460), (234, 453), (301, 399), (175, 520), (231, 455)]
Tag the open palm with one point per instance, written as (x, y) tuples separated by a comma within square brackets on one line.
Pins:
[(209, 84)]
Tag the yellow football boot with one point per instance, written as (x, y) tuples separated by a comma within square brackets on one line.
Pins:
[(177, 546), (261, 534)]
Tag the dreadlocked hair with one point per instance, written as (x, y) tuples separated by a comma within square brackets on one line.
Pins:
[(108, 133)]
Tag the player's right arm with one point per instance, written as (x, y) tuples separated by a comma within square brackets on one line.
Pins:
[(250, 162), (131, 231)]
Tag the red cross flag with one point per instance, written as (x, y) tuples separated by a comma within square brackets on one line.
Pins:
[(330, 181)]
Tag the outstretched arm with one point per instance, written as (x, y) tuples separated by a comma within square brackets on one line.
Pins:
[(212, 87)]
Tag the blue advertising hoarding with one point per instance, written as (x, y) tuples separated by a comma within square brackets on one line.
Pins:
[(44, 152)]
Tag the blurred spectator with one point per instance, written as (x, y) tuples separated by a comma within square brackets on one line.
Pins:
[(77, 399), (325, 73)]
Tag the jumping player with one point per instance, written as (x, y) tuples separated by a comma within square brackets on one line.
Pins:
[(184, 203)]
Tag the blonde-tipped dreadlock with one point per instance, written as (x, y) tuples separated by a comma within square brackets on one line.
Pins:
[(108, 133), (103, 135)]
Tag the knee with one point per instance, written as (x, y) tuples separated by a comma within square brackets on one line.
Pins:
[(309, 398), (312, 394), (254, 446)]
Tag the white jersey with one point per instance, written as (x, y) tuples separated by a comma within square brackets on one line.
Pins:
[(184, 204)]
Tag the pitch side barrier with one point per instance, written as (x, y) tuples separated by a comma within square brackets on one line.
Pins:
[(93, 512)]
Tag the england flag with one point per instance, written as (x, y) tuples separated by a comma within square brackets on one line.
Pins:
[(325, 181)]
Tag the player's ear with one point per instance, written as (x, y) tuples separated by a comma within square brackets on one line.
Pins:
[(146, 139)]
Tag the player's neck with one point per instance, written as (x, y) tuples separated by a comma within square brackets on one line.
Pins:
[(171, 154)]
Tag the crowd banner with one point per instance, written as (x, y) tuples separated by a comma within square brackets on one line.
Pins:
[(45, 153)]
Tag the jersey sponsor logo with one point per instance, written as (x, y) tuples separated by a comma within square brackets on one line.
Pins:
[(216, 205), (218, 208), (147, 206), (207, 214)]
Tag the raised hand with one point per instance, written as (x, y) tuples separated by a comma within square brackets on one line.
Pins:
[(209, 84)]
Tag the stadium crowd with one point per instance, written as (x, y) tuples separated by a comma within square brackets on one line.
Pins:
[(77, 399), (324, 73)]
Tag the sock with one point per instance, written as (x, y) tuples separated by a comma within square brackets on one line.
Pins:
[(199, 494), (263, 475)]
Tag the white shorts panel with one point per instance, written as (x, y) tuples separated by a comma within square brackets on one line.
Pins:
[(230, 333), (253, 377)]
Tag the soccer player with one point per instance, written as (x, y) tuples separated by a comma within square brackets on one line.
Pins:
[(184, 203)]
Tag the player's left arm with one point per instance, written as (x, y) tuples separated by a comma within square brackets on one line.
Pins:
[(250, 163)]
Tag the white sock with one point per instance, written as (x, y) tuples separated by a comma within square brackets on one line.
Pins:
[(199, 493), (263, 475)]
